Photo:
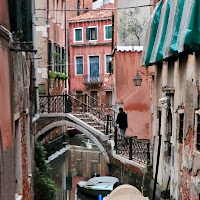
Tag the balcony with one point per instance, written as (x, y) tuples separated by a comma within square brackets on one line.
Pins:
[(93, 81)]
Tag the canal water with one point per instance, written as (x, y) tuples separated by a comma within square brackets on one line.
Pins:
[(79, 163)]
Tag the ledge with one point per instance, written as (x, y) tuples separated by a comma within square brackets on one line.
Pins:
[(92, 44)]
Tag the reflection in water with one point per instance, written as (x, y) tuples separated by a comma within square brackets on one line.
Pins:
[(78, 164)]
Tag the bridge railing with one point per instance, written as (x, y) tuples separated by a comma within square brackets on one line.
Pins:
[(132, 148), (94, 103), (70, 104)]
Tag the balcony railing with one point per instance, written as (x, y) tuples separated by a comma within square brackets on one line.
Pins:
[(89, 80)]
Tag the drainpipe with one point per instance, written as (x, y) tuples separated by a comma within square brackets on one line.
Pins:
[(157, 167), (66, 44), (37, 115)]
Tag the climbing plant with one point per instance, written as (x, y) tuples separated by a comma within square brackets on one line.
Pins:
[(44, 187), (130, 25)]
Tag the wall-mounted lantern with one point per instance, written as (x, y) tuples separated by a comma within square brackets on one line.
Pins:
[(138, 80)]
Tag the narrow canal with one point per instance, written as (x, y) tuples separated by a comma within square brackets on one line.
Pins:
[(80, 163)]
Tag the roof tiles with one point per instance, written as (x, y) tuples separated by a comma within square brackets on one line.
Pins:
[(95, 15)]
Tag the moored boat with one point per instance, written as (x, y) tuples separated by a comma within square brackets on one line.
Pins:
[(102, 185)]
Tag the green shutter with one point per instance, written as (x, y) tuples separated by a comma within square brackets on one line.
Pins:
[(108, 32), (87, 33), (78, 34), (95, 33)]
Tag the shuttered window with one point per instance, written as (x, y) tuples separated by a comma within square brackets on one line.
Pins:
[(108, 57), (108, 32), (181, 120), (49, 55), (79, 65), (78, 35), (91, 33)]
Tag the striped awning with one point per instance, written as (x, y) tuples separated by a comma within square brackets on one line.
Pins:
[(174, 27)]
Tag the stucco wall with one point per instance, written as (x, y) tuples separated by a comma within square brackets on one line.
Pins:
[(100, 48), (135, 100), (181, 76)]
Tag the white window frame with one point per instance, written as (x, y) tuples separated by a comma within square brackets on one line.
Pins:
[(105, 63), (89, 65), (97, 33), (75, 34), (75, 65), (105, 32)]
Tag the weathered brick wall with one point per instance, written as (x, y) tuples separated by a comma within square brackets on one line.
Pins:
[(21, 105)]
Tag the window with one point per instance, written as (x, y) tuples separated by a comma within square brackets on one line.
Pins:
[(181, 120), (63, 60), (93, 101), (109, 98), (91, 33), (49, 55), (78, 35), (94, 69), (79, 65), (108, 57), (108, 32), (198, 132), (57, 58)]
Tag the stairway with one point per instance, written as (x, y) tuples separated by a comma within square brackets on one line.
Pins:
[(92, 121)]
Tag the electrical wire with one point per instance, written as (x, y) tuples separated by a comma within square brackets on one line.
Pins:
[(98, 9)]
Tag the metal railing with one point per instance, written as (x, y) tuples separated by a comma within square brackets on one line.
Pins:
[(70, 104), (54, 145), (89, 100), (132, 148)]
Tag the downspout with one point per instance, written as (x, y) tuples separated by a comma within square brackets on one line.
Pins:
[(48, 85), (37, 114), (66, 46), (158, 159)]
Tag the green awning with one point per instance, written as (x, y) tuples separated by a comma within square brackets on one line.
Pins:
[(192, 38), (177, 29), (157, 52), (151, 33)]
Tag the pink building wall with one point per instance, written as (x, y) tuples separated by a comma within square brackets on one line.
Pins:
[(136, 100), (101, 48)]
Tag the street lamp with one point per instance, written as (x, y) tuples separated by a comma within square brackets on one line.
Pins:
[(137, 79)]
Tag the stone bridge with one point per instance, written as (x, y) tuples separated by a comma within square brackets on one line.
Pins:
[(92, 118), (49, 121)]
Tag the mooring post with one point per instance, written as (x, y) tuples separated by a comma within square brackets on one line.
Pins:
[(65, 103), (148, 153), (107, 124), (86, 102), (115, 147)]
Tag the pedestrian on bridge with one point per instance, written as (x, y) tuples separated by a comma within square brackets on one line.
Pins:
[(123, 124)]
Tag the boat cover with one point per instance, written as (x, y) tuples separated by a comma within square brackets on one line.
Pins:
[(125, 192)]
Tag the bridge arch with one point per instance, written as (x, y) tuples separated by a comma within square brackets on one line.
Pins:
[(77, 127)]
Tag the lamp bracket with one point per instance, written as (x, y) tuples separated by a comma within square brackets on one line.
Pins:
[(146, 74)]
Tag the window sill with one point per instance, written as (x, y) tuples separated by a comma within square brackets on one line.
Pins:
[(78, 41), (18, 196)]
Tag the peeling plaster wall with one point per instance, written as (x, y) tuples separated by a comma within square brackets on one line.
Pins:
[(178, 80)]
